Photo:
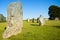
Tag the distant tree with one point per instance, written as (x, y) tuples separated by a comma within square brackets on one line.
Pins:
[(54, 11), (2, 18)]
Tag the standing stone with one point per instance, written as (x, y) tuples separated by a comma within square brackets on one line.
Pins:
[(37, 20), (28, 20), (56, 18), (46, 19), (33, 20), (14, 20), (41, 20)]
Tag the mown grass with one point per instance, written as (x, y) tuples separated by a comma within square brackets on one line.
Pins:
[(32, 31)]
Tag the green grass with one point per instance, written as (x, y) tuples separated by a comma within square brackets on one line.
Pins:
[(32, 31)]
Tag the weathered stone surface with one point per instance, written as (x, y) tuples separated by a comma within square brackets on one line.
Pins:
[(41, 20), (28, 20), (14, 20)]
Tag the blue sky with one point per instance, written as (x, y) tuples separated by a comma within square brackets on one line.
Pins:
[(31, 8)]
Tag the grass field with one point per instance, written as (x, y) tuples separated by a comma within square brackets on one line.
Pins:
[(32, 31)]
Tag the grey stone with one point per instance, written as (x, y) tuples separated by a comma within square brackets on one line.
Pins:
[(33, 20), (56, 18), (41, 20), (28, 20), (14, 20), (37, 20)]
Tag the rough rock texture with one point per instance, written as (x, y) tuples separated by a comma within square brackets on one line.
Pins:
[(14, 20), (41, 20)]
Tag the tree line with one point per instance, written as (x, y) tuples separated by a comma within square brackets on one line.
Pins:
[(2, 18), (54, 12)]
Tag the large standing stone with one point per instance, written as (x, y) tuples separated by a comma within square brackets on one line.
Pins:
[(14, 20), (41, 20)]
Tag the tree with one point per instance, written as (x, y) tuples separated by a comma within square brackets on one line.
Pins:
[(2, 18), (54, 11)]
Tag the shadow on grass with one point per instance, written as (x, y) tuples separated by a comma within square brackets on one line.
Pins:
[(35, 24), (57, 26)]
